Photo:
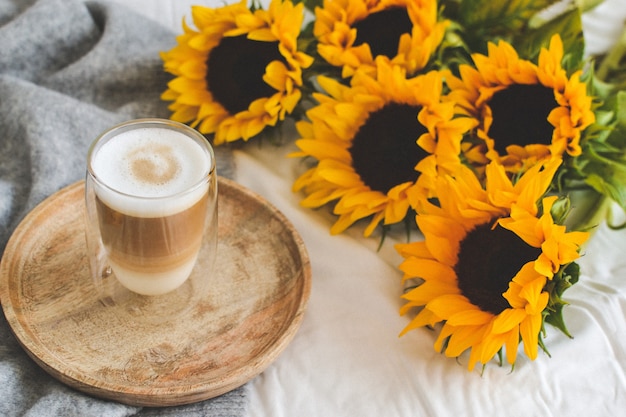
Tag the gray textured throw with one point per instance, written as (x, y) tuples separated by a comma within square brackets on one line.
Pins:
[(69, 70)]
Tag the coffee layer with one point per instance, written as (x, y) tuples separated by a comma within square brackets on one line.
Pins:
[(152, 244)]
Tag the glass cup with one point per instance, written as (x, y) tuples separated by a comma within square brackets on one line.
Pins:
[(151, 217)]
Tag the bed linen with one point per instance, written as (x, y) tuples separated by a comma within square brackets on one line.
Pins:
[(347, 358)]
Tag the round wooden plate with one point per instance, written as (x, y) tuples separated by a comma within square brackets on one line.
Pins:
[(261, 284)]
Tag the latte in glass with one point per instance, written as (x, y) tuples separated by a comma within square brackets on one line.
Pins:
[(151, 188)]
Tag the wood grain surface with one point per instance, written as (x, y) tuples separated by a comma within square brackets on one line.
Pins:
[(260, 286)]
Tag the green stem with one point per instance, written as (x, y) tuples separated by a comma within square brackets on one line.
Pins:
[(589, 209)]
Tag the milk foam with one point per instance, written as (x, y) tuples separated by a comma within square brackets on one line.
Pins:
[(148, 163)]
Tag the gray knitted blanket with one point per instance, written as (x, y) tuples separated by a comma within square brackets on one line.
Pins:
[(68, 71)]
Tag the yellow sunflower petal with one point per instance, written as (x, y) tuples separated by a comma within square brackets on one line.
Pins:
[(188, 60), (502, 68), (529, 331), (463, 338), (448, 288), (424, 318), (473, 317), (507, 320), (430, 290), (448, 305)]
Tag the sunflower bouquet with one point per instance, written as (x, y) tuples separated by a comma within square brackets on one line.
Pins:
[(483, 123)]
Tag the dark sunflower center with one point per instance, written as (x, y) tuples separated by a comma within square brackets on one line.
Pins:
[(235, 71), (384, 152), (520, 116), (382, 31), (488, 261)]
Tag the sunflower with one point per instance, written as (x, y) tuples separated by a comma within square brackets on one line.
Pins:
[(526, 112), (365, 138), (493, 263), (239, 72), (352, 33)]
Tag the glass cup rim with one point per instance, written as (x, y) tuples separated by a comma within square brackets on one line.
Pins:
[(152, 122)]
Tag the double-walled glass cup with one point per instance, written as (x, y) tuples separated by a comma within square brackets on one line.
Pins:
[(151, 217)]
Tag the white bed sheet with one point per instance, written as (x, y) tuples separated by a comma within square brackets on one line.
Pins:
[(347, 358)]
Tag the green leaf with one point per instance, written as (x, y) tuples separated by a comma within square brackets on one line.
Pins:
[(310, 4), (500, 15), (562, 280), (621, 109), (588, 209), (555, 319), (560, 209), (569, 26), (613, 186), (602, 164), (586, 5)]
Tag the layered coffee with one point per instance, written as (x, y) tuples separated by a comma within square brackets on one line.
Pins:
[(153, 208)]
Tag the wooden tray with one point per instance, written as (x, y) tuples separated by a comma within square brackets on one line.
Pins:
[(250, 315)]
